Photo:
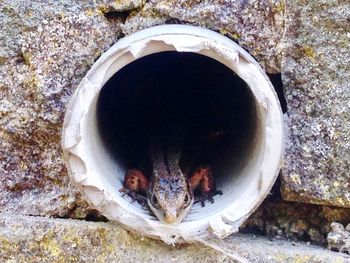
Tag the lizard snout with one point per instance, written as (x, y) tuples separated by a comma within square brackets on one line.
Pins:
[(171, 215), (170, 219)]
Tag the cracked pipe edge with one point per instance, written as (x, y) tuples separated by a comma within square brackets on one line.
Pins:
[(104, 197)]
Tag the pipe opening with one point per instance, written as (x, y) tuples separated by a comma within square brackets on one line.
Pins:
[(188, 91), (189, 78)]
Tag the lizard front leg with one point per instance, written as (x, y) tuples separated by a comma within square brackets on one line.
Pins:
[(135, 186), (203, 176)]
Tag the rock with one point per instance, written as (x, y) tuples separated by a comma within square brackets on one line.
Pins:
[(339, 238), (49, 48), (334, 214), (299, 227), (257, 26), (347, 228), (310, 40), (297, 221), (46, 49), (144, 18), (315, 72), (119, 5), (316, 236), (35, 239)]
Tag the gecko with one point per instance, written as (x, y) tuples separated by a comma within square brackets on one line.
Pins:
[(168, 192)]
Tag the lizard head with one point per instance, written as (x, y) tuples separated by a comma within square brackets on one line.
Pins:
[(170, 198)]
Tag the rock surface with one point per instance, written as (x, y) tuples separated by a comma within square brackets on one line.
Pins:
[(339, 238), (33, 239), (316, 72), (311, 41), (257, 26), (46, 48), (296, 221)]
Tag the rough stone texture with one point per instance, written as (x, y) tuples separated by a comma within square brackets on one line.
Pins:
[(312, 41), (316, 74), (18, 17), (46, 48), (28, 239), (257, 26), (33, 239), (339, 238), (119, 5), (280, 219)]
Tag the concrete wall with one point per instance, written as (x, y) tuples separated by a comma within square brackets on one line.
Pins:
[(46, 47)]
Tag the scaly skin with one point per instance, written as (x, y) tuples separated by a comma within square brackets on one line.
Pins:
[(170, 196), (203, 177), (169, 192)]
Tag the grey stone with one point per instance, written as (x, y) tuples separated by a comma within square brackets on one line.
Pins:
[(119, 5), (257, 26), (48, 47), (316, 73), (29, 239), (339, 238), (18, 17), (295, 221), (34, 239)]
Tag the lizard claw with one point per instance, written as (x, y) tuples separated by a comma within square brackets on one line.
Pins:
[(142, 200), (203, 177), (208, 196), (135, 183), (125, 191)]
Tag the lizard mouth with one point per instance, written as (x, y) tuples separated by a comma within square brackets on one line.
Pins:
[(171, 218), (170, 211), (196, 78), (168, 218)]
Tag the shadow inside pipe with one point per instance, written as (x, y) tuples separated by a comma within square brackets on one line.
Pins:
[(197, 95)]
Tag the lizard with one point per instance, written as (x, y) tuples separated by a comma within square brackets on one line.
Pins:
[(169, 193)]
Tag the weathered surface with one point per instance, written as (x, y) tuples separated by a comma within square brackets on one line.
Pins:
[(33, 239), (259, 249), (296, 221), (119, 5), (339, 238), (46, 48), (316, 75), (257, 26), (29, 239)]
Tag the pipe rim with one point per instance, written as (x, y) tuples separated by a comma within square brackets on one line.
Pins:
[(77, 116)]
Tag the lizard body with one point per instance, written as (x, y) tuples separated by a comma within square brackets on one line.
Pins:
[(169, 193)]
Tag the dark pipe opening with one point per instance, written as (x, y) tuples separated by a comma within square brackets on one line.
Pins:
[(205, 98)]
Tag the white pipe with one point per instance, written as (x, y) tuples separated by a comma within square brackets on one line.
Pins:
[(100, 177)]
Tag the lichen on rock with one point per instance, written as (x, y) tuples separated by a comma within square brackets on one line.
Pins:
[(281, 219), (315, 73), (46, 47), (46, 59), (35, 239), (257, 26)]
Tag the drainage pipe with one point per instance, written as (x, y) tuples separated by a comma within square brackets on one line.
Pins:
[(99, 176)]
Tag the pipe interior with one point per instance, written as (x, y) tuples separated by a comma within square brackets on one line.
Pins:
[(214, 107)]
